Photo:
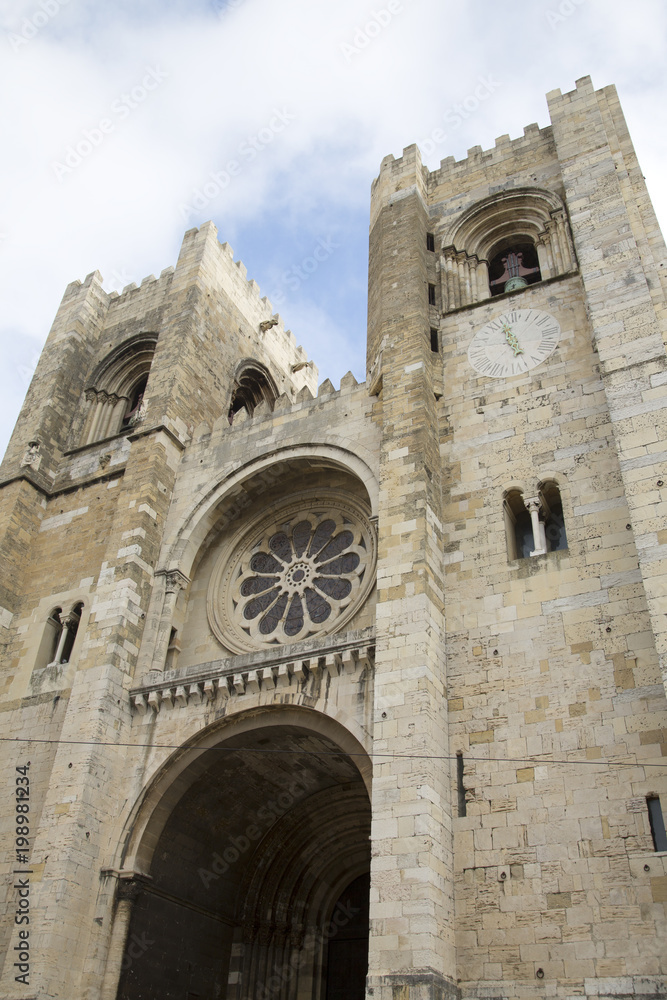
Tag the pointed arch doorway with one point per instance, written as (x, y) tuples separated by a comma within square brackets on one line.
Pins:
[(257, 887)]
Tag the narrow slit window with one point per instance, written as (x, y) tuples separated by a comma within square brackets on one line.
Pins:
[(430, 242), (431, 295), (461, 792), (173, 649), (657, 822), (434, 340)]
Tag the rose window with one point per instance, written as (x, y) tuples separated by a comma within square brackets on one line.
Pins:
[(301, 572)]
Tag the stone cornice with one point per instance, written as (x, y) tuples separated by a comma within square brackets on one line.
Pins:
[(267, 669)]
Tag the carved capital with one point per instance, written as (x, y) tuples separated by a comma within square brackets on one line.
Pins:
[(131, 885), (174, 580)]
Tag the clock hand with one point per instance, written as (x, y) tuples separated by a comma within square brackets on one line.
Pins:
[(510, 337)]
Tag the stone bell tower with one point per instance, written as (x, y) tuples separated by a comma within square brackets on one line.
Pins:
[(318, 693), (516, 343)]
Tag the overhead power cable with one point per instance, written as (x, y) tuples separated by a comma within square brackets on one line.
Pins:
[(373, 755)]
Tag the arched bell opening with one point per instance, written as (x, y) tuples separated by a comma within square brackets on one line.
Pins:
[(253, 889), (504, 243), (514, 266), (253, 384)]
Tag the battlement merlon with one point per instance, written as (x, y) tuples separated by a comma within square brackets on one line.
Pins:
[(399, 178), (205, 261), (592, 140), (57, 382), (407, 172)]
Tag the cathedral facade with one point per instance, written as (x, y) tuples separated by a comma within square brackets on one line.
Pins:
[(317, 693)]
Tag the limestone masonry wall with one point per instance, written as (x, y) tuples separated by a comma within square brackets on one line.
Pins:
[(494, 715)]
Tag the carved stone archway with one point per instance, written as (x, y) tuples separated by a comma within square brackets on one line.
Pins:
[(248, 873)]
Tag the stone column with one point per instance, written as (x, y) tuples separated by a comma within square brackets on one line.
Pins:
[(453, 300), (534, 506), (483, 290), (67, 622), (544, 255), (130, 886), (98, 402), (412, 951), (174, 582)]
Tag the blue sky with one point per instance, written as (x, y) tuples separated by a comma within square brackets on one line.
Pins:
[(303, 98)]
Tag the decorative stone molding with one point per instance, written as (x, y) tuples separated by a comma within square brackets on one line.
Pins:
[(131, 885), (112, 386), (174, 580), (280, 668), (464, 279), (526, 214), (300, 570), (32, 455)]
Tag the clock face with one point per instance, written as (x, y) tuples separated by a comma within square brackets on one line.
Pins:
[(514, 343)]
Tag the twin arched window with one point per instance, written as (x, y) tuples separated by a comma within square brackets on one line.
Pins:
[(59, 635), (534, 525), (116, 393)]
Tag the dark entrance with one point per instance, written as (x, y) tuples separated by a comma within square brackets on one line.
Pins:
[(242, 900), (347, 954)]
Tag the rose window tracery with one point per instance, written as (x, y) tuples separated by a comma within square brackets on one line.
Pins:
[(303, 571)]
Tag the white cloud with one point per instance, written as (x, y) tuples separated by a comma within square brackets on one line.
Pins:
[(227, 71)]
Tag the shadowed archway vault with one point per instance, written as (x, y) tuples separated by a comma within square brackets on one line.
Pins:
[(259, 875)]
